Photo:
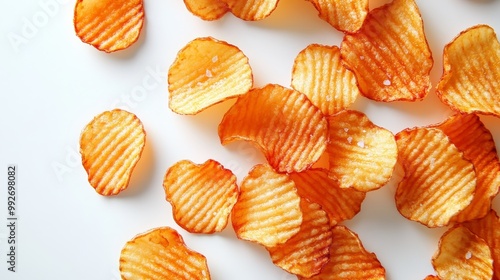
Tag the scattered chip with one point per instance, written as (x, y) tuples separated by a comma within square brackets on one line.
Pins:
[(205, 72), (432, 277), (318, 72), (471, 75), (207, 9), (202, 196), (250, 10), (161, 254), (389, 54), (109, 25), (111, 145), (289, 129), (344, 15)]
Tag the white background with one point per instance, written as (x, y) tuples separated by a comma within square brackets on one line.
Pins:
[(52, 85)]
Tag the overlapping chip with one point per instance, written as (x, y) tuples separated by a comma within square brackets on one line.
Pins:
[(202, 196), (287, 127), (109, 25), (389, 54), (111, 145), (205, 72), (344, 15), (471, 75), (250, 10), (161, 254)]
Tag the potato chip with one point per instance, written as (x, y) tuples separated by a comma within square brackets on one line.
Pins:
[(268, 208), (205, 72), (344, 15), (207, 9), (463, 255), (111, 145), (202, 196), (340, 203), (471, 75), (432, 277), (109, 25), (250, 10), (389, 54), (307, 251), (289, 129), (318, 72), (438, 182), (361, 154), (161, 254)]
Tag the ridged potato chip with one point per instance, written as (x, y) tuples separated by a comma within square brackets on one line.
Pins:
[(268, 208), (111, 145), (432, 277), (471, 75), (389, 54), (161, 254), (250, 10), (207, 9), (318, 72), (205, 72), (287, 127), (344, 15), (202, 195), (439, 182), (109, 25)]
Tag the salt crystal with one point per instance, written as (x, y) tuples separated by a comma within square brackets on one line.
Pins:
[(387, 82), (361, 144), (208, 73)]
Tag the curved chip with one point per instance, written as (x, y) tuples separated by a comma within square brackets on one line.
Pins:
[(161, 254), (438, 182), (111, 145), (432, 277), (344, 15), (389, 54), (268, 208), (361, 154), (109, 25), (205, 72), (318, 72), (207, 9), (250, 10), (471, 75), (202, 196), (289, 129)]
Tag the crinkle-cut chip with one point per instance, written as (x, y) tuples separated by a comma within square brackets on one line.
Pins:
[(288, 128), (202, 196), (111, 145), (471, 76), (307, 251), (252, 10), (109, 25), (205, 72), (361, 154), (470, 136), (344, 15), (340, 203), (432, 277), (389, 54), (161, 254), (463, 255), (439, 181), (318, 72), (207, 9), (268, 208), (349, 259)]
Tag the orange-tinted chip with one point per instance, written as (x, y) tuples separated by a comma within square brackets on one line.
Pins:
[(205, 72), (250, 10), (268, 208), (463, 255), (389, 54), (432, 277), (111, 145), (289, 129), (344, 15), (471, 75), (108, 25), (202, 196), (318, 72), (438, 182), (161, 254), (361, 154), (207, 9)]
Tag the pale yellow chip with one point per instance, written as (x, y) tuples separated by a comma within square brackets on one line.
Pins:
[(344, 15), (251, 10)]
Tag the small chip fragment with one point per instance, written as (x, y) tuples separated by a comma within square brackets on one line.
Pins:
[(344, 15), (250, 10), (111, 145)]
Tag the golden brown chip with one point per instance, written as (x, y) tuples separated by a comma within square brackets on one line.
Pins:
[(318, 72), (389, 54), (202, 196), (344, 15), (111, 145), (289, 129), (432, 277), (207, 9), (471, 75), (361, 154), (161, 254), (463, 255), (108, 25), (205, 72), (252, 10), (268, 208), (438, 182)]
